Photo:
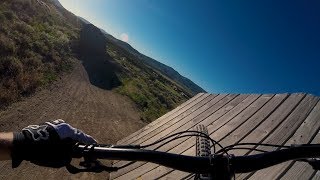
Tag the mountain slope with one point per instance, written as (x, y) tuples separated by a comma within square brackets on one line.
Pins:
[(113, 68), (106, 115), (63, 68), (36, 40), (160, 67), (40, 40)]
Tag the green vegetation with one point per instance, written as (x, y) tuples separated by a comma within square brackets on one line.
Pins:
[(39, 42), (35, 47), (152, 92)]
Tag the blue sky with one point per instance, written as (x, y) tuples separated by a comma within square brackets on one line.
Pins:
[(223, 46)]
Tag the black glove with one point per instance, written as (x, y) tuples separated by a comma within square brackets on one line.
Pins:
[(48, 144)]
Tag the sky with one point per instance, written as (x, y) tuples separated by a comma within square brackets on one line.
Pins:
[(267, 46)]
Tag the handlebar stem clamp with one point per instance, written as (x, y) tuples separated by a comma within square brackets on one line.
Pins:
[(221, 167)]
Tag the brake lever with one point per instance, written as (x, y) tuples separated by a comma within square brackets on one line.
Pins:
[(90, 166), (315, 163)]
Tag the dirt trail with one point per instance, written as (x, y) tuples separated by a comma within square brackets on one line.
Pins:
[(103, 114)]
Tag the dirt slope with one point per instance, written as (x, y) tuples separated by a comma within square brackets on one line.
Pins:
[(104, 114)]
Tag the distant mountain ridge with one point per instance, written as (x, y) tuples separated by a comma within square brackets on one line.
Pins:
[(57, 3), (162, 68), (167, 71), (48, 40)]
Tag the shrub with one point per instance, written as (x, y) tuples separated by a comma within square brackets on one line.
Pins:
[(9, 15), (7, 95), (23, 28), (32, 61), (28, 82), (10, 67), (2, 17), (7, 45)]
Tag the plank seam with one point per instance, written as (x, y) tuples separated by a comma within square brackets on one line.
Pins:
[(247, 118), (236, 95), (286, 170), (236, 114), (206, 117), (158, 122), (232, 119), (223, 124), (307, 114), (250, 174), (189, 176), (183, 117), (210, 98), (295, 107), (313, 174), (263, 119), (312, 137), (258, 124)]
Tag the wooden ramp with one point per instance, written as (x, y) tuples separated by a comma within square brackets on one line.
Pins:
[(282, 119)]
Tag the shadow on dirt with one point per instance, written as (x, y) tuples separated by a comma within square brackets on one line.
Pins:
[(99, 65)]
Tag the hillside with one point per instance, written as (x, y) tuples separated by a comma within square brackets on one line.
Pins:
[(106, 115), (154, 93), (40, 40), (165, 70), (52, 65), (36, 40)]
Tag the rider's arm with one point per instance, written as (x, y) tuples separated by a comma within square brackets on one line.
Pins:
[(5, 145), (47, 144)]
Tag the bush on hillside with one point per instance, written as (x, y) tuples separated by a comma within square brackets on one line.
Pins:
[(35, 47)]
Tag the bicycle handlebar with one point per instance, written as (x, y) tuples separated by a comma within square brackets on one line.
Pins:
[(244, 164), (179, 162), (213, 164)]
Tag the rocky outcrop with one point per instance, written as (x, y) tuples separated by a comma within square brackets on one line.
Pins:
[(98, 64)]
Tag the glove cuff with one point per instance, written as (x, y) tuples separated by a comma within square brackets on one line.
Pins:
[(17, 148)]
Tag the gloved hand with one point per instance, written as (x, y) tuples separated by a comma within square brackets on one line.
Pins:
[(48, 144)]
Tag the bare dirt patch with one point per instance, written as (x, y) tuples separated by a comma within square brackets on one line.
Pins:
[(103, 114)]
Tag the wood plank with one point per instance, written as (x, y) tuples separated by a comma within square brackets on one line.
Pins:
[(173, 119), (185, 146), (175, 174), (186, 116), (236, 122), (138, 174), (267, 128), (259, 117), (302, 170), (244, 115), (167, 130), (168, 116), (217, 124), (277, 133), (190, 177), (167, 123), (261, 132), (242, 129), (150, 130), (235, 111), (298, 128), (161, 172), (316, 176), (191, 121), (229, 107), (180, 146), (154, 123), (182, 125), (240, 113)]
